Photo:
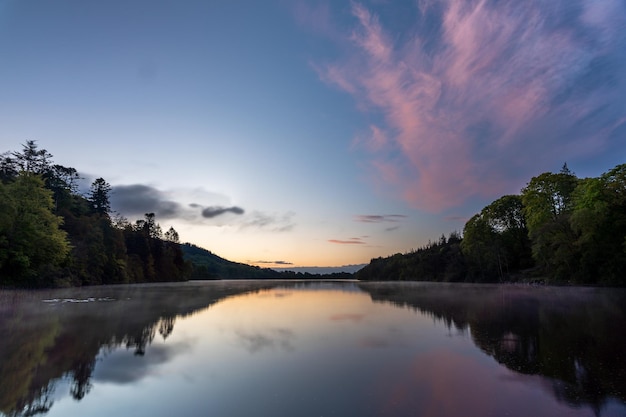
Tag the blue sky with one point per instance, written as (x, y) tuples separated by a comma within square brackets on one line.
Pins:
[(320, 133)]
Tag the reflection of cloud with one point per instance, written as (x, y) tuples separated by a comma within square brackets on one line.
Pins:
[(354, 317), (256, 341), (473, 91), (374, 342), (123, 367)]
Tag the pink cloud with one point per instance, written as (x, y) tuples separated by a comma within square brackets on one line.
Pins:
[(472, 113)]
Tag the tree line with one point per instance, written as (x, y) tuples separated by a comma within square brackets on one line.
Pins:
[(52, 235), (559, 229)]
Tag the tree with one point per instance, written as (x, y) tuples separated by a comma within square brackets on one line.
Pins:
[(480, 249), (32, 159), (495, 241), (33, 243), (548, 205), (150, 226), (172, 236), (599, 221), (99, 196)]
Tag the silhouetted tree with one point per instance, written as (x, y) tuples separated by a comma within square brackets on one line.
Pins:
[(99, 196)]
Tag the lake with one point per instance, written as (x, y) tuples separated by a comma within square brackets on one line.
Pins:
[(282, 348)]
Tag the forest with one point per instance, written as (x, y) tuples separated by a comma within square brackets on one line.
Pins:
[(560, 229), (51, 235)]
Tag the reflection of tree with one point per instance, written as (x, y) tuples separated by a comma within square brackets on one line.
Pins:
[(42, 343), (141, 340), (22, 353), (166, 325), (81, 376), (573, 336)]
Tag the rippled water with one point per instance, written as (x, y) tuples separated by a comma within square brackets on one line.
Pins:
[(234, 348)]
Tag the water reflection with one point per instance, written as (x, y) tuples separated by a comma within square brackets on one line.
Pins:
[(284, 349), (50, 336), (573, 336)]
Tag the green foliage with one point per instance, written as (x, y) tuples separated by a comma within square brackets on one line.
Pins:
[(561, 228), (438, 261), (548, 206), (599, 222), (495, 241), (32, 244), (52, 236)]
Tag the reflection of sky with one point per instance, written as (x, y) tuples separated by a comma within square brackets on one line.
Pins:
[(123, 366), (287, 352)]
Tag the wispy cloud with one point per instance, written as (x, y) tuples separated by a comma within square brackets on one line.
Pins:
[(379, 218), (351, 241), (478, 95), (272, 263), (270, 221)]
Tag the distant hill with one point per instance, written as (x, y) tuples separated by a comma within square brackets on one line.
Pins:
[(323, 270), (207, 265)]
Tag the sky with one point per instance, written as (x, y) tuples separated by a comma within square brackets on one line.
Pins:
[(314, 133)]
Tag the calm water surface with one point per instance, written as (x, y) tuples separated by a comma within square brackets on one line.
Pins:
[(236, 348)]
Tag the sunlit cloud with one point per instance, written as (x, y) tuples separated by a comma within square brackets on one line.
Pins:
[(478, 95)]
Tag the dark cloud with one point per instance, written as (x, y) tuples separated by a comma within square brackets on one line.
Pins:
[(138, 199), (214, 211), (379, 218)]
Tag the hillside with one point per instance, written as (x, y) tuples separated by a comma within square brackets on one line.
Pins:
[(207, 265)]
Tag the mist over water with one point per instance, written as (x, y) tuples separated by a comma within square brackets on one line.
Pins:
[(241, 348)]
